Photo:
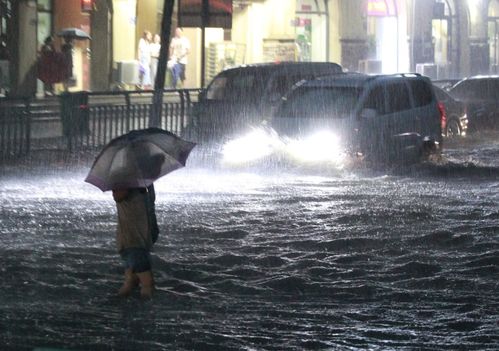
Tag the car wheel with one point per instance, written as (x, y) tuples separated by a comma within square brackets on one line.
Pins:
[(453, 128)]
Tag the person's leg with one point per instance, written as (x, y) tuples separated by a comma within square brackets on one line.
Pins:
[(131, 281), (147, 77), (141, 266), (146, 284), (182, 73), (175, 75), (154, 70)]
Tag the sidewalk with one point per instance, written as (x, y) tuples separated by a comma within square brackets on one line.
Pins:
[(43, 160)]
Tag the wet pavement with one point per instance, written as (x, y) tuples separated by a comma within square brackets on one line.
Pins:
[(294, 259)]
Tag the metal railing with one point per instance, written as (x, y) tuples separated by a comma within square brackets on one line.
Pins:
[(88, 120), (15, 127)]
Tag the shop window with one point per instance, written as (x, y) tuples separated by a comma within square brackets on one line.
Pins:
[(310, 30), (44, 5), (382, 33), (5, 52), (493, 36), (441, 32), (5, 15), (44, 16)]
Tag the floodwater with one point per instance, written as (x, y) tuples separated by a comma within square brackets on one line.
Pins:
[(355, 259)]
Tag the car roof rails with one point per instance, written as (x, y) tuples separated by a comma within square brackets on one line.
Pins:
[(402, 74)]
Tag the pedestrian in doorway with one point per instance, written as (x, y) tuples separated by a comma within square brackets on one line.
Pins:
[(51, 66), (180, 48), (47, 54), (4, 51), (155, 48), (67, 51), (144, 56), (4, 65)]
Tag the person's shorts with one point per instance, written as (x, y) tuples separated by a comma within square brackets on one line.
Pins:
[(136, 259)]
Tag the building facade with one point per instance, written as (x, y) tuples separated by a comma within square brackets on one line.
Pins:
[(439, 38)]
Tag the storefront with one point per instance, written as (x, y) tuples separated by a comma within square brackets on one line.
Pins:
[(439, 38)]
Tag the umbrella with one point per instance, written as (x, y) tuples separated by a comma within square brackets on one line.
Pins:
[(74, 33), (138, 158)]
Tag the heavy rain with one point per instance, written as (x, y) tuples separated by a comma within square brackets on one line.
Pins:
[(357, 210)]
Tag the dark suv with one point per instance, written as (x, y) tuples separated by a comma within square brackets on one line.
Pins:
[(246, 95), (480, 94), (383, 117)]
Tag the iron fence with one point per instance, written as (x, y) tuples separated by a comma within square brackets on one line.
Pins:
[(91, 120), (88, 120), (15, 126)]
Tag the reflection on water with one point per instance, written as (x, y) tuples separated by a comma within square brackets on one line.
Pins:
[(405, 259)]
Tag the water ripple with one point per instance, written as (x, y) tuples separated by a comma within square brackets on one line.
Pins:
[(391, 261)]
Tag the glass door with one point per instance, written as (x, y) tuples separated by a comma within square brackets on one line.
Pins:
[(440, 34), (44, 18), (43, 30), (5, 52), (311, 31), (493, 35)]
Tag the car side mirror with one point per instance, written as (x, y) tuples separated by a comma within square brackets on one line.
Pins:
[(368, 113)]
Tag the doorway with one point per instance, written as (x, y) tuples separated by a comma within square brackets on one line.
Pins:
[(493, 36)]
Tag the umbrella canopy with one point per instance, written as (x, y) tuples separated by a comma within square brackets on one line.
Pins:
[(138, 158), (74, 33)]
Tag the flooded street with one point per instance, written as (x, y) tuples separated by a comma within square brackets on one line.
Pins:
[(250, 260)]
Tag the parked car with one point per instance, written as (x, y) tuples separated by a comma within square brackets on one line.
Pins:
[(445, 84), (245, 95), (455, 122), (480, 94), (386, 118)]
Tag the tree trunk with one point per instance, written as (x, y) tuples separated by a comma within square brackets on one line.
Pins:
[(159, 83)]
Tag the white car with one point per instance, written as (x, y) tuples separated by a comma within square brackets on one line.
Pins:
[(382, 118)]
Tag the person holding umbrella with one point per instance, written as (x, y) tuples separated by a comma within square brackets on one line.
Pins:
[(67, 51), (70, 35), (128, 165), (137, 229)]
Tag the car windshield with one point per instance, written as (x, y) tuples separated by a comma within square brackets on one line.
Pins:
[(320, 102), (216, 90), (235, 87), (475, 89)]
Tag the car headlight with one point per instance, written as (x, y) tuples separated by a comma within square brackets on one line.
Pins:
[(255, 145), (320, 147)]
